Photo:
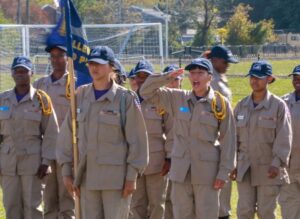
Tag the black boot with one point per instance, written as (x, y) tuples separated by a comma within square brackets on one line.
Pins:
[(226, 217)]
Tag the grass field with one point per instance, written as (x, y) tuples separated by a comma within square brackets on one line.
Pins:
[(280, 67), (239, 86)]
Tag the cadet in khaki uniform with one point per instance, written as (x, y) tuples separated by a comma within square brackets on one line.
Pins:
[(290, 193), (120, 73), (152, 186), (132, 81), (175, 84), (264, 138), (58, 204), (112, 142), (28, 129), (200, 166), (220, 58)]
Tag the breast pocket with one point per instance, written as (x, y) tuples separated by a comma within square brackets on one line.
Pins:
[(32, 123), (208, 127), (241, 130), (266, 130), (182, 124), (5, 122), (109, 128), (153, 122), (112, 148)]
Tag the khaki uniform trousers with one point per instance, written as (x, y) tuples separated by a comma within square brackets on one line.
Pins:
[(169, 205), (58, 203), (194, 201), (290, 198), (260, 199), (225, 195), (149, 199), (22, 197), (103, 204)]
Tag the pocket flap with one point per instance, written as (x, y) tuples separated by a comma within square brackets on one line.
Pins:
[(110, 119), (5, 115), (105, 160), (152, 114), (5, 149), (34, 116), (33, 149), (62, 100), (186, 116), (208, 119), (266, 123)]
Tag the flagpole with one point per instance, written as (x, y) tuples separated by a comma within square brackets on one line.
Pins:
[(74, 130)]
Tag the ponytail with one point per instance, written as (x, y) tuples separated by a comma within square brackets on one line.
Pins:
[(206, 54)]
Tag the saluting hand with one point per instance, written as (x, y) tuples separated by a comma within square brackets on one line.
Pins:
[(176, 73), (273, 172), (129, 188), (219, 184)]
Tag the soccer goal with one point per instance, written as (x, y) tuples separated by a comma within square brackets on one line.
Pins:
[(130, 42)]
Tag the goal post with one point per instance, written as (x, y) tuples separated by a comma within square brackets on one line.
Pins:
[(130, 42)]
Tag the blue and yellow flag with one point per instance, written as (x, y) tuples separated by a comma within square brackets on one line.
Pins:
[(69, 33)]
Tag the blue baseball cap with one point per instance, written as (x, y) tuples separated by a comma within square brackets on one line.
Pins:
[(22, 61), (260, 69), (119, 67), (144, 66), (131, 74), (50, 47), (296, 71), (223, 53), (101, 55), (200, 62), (171, 68)]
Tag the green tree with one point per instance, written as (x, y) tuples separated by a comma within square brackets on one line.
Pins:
[(239, 26), (284, 13), (207, 24), (263, 32), (4, 19), (242, 31)]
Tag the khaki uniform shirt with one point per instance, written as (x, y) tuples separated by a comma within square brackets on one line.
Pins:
[(158, 130), (294, 107), (220, 83), (111, 156), (28, 137), (264, 137), (57, 91), (196, 131)]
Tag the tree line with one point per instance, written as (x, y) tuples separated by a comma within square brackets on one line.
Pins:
[(234, 22)]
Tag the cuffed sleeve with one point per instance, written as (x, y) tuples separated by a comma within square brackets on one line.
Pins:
[(66, 169), (227, 144), (283, 141), (131, 174)]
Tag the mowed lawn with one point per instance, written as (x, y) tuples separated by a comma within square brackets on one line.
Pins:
[(240, 88)]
